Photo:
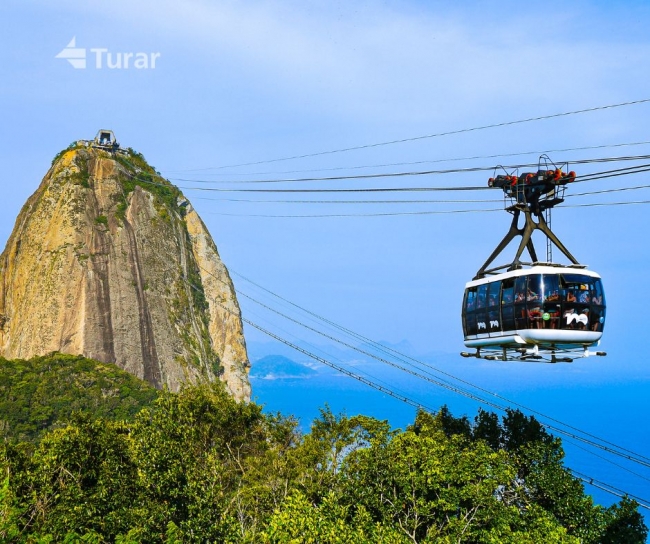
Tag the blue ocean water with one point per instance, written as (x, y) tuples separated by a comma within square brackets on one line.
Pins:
[(614, 411)]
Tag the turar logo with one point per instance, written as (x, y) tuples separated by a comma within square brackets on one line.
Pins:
[(76, 56), (73, 54)]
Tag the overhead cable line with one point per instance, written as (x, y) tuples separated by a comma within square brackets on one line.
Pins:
[(431, 161), (438, 134), (389, 214), (470, 201), (643, 503), (600, 204), (638, 169), (400, 356), (358, 190), (445, 385), (428, 377), (386, 390), (568, 440), (250, 201), (376, 381), (465, 170), (586, 177), (390, 391), (605, 191), (321, 216)]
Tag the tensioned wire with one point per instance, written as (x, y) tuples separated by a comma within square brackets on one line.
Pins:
[(604, 445), (588, 177), (427, 376), (585, 177), (424, 201), (390, 214), (492, 168), (431, 161), (587, 441), (405, 398), (439, 134)]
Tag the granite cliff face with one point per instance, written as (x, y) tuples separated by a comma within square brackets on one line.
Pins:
[(109, 260)]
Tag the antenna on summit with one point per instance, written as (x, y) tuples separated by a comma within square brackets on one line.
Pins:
[(106, 140)]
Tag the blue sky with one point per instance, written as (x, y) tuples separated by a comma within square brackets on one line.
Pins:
[(242, 82), (251, 82)]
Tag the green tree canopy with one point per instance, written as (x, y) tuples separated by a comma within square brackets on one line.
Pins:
[(199, 467)]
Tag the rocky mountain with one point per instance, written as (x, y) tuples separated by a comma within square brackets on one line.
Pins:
[(109, 260)]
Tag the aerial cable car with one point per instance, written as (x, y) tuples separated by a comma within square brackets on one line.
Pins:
[(533, 311)]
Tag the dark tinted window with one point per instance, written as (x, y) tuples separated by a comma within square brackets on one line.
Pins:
[(481, 296), (599, 295), (469, 316), (481, 309), (470, 299), (534, 291), (551, 287), (494, 307), (508, 291), (520, 289), (494, 294)]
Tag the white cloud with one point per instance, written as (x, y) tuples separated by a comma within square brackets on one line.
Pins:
[(402, 61)]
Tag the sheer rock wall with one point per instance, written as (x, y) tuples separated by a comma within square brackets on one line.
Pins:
[(109, 260)]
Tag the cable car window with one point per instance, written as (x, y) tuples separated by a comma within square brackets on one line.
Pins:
[(551, 309), (521, 317), (576, 290), (535, 315), (508, 291), (469, 316), (597, 318), (571, 286), (470, 324), (598, 296), (507, 308), (520, 289), (494, 292), (584, 294), (481, 296), (534, 291), (470, 299), (533, 299), (481, 307), (551, 287), (598, 307), (494, 306)]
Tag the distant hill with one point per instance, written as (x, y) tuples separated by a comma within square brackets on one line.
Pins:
[(42, 393), (279, 366)]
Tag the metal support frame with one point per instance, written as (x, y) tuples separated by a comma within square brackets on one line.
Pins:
[(526, 233)]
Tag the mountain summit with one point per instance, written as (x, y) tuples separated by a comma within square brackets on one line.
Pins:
[(109, 260)]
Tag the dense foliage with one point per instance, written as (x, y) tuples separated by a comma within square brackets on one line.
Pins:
[(199, 467), (42, 393)]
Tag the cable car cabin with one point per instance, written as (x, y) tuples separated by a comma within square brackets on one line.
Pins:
[(544, 307)]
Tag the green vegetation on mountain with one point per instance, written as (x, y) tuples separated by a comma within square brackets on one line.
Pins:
[(198, 466), (109, 260), (42, 393)]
